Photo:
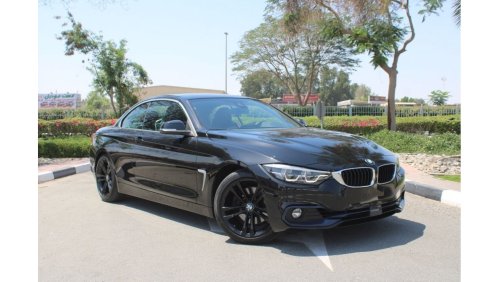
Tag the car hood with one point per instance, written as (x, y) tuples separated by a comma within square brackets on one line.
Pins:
[(311, 147)]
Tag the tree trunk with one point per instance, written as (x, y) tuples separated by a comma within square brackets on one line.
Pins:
[(306, 98), (310, 82), (298, 97), (303, 101), (110, 93), (391, 104)]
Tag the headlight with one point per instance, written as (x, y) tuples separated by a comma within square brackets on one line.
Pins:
[(296, 174)]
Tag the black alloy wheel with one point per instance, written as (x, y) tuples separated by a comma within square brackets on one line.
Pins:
[(106, 180), (240, 210)]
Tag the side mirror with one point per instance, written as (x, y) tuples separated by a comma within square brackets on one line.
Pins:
[(301, 121), (175, 127)]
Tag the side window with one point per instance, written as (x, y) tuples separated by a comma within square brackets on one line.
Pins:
[(152, 117), (135, 119), (164, 111)]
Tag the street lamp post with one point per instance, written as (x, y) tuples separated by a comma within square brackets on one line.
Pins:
[(225, 88)]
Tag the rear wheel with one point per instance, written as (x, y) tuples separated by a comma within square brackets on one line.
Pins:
[(106, 180), (240, 210)]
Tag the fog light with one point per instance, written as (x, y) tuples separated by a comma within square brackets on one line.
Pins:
[(296, 213)]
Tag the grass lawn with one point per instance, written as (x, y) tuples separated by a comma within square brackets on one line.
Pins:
[(455, 178), (401, 142)]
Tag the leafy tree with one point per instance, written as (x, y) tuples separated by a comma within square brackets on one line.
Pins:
[(261, 84), (362, 93), (114, 74), (439, 97), (96, 101), (419, 101), (294, 59), (381, 28), (334, 86)]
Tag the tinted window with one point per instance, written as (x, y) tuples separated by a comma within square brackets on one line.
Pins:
[(135, 119), (235, 113), (165, 111), (152, 115)]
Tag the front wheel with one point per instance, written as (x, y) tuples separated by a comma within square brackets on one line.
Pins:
[(240, 210), (106, 180)]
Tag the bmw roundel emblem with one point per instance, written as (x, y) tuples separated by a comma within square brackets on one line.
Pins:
[(368, 161)]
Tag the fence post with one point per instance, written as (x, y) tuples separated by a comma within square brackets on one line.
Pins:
[(350, 110), (421, 111)]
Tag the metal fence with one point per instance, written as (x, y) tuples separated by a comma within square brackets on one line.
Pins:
[(296, 111), (401, 111)]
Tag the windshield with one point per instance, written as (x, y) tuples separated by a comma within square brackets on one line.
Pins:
[(236, 113)]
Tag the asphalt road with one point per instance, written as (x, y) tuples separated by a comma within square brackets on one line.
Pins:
[(82, 238)]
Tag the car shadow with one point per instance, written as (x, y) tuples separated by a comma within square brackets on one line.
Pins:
[(167, 212), (383, 234), (365, 237), (376, 235)]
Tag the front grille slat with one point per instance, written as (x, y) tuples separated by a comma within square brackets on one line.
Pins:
[(386, 173), (366, 179), (358, 177), (365, 176)]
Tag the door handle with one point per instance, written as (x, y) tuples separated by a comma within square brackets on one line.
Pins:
[(138, 139)]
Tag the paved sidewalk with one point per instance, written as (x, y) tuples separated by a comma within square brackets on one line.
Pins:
[(417, 182)]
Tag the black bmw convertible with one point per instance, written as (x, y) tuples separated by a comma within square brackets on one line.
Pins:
[(253, 168)]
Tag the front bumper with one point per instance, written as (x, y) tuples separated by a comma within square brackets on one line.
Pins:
[(329, 204), (318, 217)]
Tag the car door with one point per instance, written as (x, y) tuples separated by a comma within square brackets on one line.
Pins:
[(127, 150), (167, 164)]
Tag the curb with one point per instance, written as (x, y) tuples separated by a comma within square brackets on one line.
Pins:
[(51, 175), (449, 197)]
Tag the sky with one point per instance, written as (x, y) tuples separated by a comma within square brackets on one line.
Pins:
[(182, 43)]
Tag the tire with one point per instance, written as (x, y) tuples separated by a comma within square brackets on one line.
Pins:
[(106, 180), (240, 210)]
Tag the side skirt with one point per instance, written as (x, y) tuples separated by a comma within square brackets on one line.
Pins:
[(125, 188)]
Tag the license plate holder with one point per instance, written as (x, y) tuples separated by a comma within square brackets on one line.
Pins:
[(375, 210)]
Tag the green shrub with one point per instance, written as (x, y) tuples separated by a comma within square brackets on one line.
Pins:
[(67, 147), (71, 126), (369, 124), (432, 124)]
